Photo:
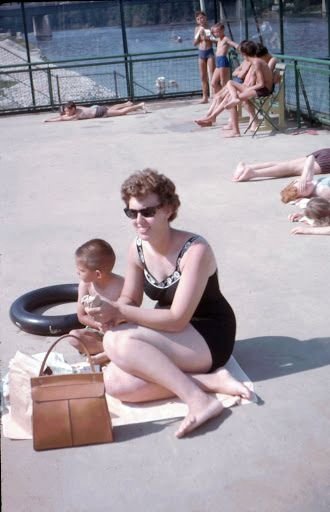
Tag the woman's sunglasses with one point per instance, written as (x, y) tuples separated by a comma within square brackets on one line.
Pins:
[(150, 211)]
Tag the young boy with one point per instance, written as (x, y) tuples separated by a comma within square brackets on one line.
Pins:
[(95, 260), (263, 85), (206, 65), (221, 73)]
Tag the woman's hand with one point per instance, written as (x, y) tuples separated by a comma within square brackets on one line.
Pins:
[(107, 315), (294, 217), (302, 230)]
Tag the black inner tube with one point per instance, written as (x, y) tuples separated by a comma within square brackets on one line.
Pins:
[(22, 311)]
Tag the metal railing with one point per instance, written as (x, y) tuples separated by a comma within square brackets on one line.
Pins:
[(307, 88), (47, 85)]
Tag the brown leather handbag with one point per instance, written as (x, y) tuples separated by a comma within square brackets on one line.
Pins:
[(69, 410)]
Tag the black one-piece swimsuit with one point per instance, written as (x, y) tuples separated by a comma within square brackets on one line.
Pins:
[(213, 318)]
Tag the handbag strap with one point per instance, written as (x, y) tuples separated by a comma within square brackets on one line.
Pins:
[(55, 343)]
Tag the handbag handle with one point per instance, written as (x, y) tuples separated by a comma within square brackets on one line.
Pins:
[(55, 343)]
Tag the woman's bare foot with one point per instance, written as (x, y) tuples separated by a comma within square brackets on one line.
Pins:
[(227, 384), (204, 100), (239, 169), (232, 103), (243, 173), (198, 414)]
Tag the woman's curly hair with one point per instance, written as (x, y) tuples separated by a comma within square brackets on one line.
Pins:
[(290, 192), (318, 210), (150, 181)]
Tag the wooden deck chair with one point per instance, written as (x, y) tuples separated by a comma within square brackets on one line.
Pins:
[(268, 107)]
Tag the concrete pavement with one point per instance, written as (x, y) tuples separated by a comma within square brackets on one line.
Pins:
[(60, 187)]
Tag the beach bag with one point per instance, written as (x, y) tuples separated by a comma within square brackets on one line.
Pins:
[(69, 410)]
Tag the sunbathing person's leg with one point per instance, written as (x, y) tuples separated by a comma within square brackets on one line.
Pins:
[(119, 106), (283, 169), (123, 111)]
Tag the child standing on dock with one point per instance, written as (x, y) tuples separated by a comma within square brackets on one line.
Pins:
[(206, 63), (221, 74)]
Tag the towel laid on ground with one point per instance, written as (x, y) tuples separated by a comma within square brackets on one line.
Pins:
[(125, 414), (17, 424)]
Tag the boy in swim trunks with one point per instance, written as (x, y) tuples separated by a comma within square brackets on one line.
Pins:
[(73, 112), (95, 260), (221, 74), (206, 64), (264, 83)]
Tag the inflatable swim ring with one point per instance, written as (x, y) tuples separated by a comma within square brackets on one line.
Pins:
[(22, 311)]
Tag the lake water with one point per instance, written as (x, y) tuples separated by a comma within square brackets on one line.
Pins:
[(305, 37)]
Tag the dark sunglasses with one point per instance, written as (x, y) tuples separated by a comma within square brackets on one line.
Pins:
[(150, 211)]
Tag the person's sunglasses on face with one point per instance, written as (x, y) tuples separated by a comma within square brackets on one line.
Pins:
[(149, 211)]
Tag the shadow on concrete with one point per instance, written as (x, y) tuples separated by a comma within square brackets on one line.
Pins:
[(127, 432), (267, 357)]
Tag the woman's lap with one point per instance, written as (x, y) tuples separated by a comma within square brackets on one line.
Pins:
[(186, 349)]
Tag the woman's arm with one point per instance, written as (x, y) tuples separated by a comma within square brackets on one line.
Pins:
[(306, 175), (198, 264), (311, 230), (132, 292)]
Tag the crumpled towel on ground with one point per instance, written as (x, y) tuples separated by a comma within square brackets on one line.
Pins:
[(17, 424)]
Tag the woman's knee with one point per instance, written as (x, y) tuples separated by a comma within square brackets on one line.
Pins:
[(118, 383), (117, 343)]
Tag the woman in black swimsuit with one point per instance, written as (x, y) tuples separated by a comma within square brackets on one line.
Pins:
[(169, 350)]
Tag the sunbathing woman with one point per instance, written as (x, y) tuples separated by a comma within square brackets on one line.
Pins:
[(298, 189), (73, 112), (316, 217), (317, 162)]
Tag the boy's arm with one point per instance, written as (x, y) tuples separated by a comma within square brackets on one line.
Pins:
[(231, 43), (63, 117), (259, 77), (83, 317), (197, 38), (53, 119), (272, 63)]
